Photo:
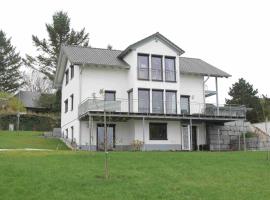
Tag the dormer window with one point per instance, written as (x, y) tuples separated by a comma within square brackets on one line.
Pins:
[(143, 66), (170, 71)]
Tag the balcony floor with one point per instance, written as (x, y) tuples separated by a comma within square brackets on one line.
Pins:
[(125, 116)]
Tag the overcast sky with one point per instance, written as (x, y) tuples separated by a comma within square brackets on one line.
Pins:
[(233, 35)]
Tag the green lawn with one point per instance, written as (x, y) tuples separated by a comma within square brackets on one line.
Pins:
[(28, 139), (134, 175)]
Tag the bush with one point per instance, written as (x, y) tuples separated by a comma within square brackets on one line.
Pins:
[(137, 145), (29, 122), (248, 135)]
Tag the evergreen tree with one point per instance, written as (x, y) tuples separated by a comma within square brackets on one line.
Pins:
[(10, 62), (243, 93), (59, 33)]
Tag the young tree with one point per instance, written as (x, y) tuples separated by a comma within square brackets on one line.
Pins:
[(10, 62), (59, 33), (243, 93)]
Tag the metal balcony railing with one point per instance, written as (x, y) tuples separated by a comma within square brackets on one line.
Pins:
[(169, 108)]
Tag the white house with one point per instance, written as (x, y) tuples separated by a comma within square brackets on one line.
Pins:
[(150, 94)]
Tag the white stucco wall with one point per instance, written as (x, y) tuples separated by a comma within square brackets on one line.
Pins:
[(192, 85), (70, 118)]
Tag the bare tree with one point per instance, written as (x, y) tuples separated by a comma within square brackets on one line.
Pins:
[(37, 82)]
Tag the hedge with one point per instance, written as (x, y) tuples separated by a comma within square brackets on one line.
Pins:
[(29, 122)]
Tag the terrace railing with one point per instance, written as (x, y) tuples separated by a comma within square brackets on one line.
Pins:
[(196, 109)]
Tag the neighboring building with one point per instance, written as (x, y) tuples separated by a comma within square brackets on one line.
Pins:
[(150, 93), (30, 101)]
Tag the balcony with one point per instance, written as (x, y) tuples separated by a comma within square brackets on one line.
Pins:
[(197, 110)]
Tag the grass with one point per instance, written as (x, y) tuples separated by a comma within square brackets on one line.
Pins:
[(134, 175), (28, 139)]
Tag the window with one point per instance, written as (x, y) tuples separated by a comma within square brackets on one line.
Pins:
[(143, 66), (171, 107), (109, 95), (130, 100), (158, 131), (66, 105), (72, 133), (157, 101), (185, 104), (67, 76), (66, 133), (156, 71), (170, 73), (144, 100), (71, 71), (71, 104)]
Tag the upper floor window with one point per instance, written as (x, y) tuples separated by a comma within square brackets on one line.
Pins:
[(170, 72), (66, 105), (110, 95), (157, 101), (67, 76), (71, 71), (171, 106), (143, 66), (144, 100), (156, 71), (72, 102)]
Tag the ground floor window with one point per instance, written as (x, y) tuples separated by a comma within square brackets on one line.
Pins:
[(158, 131), (72, 134)]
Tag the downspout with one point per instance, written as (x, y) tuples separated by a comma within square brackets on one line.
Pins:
[(80, 100)]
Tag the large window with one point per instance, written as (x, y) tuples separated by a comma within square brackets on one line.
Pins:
[(157, 101), (71, 71), (144, 100), (143, 66), (170, 72), (66, 105), (156, 71), (158, 131), (185, 104), (171, 107), (109, 95), (130, 100), (67, 76)]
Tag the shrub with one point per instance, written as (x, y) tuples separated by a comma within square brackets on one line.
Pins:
[(137, 145)]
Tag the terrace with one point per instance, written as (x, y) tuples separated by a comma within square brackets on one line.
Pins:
[(138, 109)]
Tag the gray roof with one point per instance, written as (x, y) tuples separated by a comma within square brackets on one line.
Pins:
[(155, 35), (29, 99), (198, 66), (87, 55)]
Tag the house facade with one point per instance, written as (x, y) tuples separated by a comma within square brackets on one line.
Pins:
[(148, 94)]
